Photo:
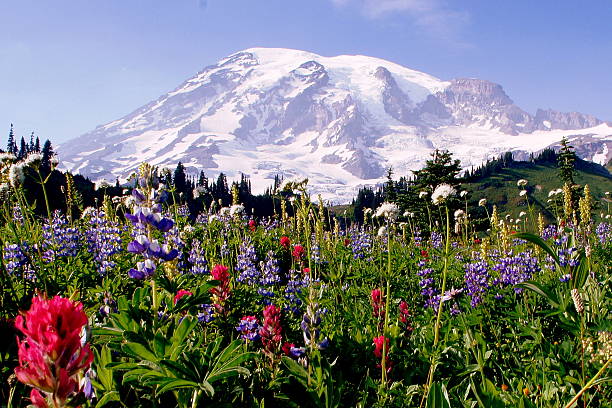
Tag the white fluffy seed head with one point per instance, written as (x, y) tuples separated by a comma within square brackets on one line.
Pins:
[(442, 193)]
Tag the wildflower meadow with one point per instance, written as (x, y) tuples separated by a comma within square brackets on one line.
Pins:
[(139, 302)]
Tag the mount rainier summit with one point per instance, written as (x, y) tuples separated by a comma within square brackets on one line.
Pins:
[(339, 121)]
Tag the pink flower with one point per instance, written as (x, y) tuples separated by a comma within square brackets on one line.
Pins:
[(378, 347), (180, 294), (51, 356), (252, 225), (271, 330), (298, 252), (285, 242), (220, 293), (378, 306)]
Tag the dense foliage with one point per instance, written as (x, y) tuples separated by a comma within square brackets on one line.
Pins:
[(225, 308), (194, 292)]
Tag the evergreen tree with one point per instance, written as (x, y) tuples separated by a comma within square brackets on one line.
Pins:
[(180, 179), (47, 154), (31, 148), (37, 145), (389, 189), (441, 168), (23, 149), (11, 146), (566, 161)]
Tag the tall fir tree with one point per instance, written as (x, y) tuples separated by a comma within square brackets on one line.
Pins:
[(23, 149), (31, 147), (440, 169), (389, 189), (11, 146), (47, 154), (37, 145), (566, 161)]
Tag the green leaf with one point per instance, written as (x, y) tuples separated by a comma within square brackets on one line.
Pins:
[(169, 384), (139, 351), (437, 397), (540, 290), (108, 397), (534, 239)]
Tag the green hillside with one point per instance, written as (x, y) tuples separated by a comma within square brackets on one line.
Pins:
[(501, 188)]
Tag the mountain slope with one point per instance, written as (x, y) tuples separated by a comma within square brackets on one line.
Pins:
[(340, 121)]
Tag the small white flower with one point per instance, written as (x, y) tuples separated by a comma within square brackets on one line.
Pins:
[(552, 193), (33, 160), (463, 193), (382, 231), (522, 214), (198, 191), (441, 193), (236, 209), (607, 193), (459, 214), (388, 210), (117, 200), (224, 211), (482, 202), (7, 157), (408, 214), (16, 174), (523, 193), (129, 202), (367, 211), (188, 228), (522, 183), (423, 194), (88, 212), (212, 218)]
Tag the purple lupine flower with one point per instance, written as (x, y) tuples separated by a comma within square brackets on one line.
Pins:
[(567, 257), (59, 239), (103, 240), (515, 269), (143, 269), (207, 314), (17, 214), (249, 328), (293, 289), (311, 322), (17, 261), (604, 232), (436, 239), (199, 266), (246, 263), (360, 244), (476, 281)]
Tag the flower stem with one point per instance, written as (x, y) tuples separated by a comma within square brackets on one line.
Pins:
[(589, 384)]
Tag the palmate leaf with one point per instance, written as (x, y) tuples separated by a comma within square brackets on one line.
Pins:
[(227, 364)]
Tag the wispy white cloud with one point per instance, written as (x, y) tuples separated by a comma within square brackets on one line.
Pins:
[(433, 16)]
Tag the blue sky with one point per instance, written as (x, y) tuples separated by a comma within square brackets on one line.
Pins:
[(67, 66)]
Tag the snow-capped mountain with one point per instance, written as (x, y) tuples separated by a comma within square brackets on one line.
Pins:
[(340, 121)]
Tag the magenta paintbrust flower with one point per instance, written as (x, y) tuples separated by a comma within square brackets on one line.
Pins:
[(51, 355), (271, 330), (180, 294)]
